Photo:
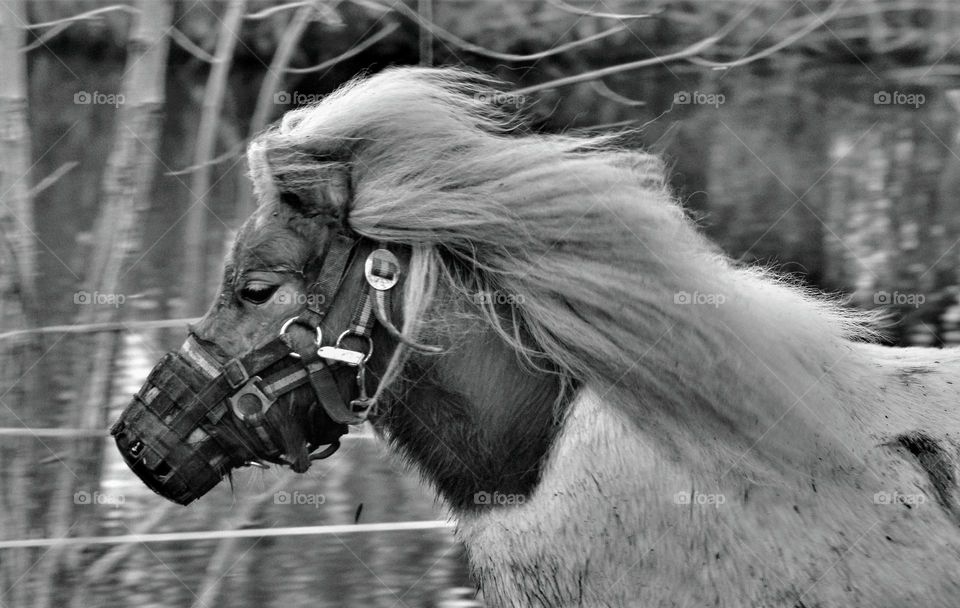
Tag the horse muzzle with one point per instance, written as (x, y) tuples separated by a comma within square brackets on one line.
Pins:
[(199, 415)]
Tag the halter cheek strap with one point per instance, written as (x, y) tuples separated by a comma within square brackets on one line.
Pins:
[(382, 271), (342, 253)]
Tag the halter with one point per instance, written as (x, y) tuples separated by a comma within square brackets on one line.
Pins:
[(176, 433)]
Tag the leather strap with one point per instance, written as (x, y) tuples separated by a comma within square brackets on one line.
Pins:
[(324, 290)]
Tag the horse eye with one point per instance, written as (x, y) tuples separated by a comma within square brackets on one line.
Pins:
[(258, 293)]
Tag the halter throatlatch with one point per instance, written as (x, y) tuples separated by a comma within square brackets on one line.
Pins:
[(201, 414)]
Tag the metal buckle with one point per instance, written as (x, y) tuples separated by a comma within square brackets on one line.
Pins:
[(244, 408), (352, 358), (235, 373), (286, 325)]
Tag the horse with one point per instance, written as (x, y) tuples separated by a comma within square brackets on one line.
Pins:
[(614, 412)]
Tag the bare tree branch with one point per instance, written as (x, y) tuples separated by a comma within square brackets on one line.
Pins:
[(45, 37), (233, 151), (188, 45), (274, 10), (84, 16), (604, 91), (815, 21), (607, 126), (354, 50), (446, 36), (52, 178), (690, 51), (599, 15)]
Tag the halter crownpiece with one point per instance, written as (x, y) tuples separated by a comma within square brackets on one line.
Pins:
[(201, 414)]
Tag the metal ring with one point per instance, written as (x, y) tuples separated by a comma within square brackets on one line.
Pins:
[(359, 335), (286, 325)]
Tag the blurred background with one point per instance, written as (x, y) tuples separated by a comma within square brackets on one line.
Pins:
[(820, 138)]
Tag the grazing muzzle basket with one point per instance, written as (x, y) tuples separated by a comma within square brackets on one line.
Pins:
[(197, 417)]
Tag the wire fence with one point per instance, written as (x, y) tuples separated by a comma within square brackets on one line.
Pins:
[(165, 537), (89, 328), (196, 535)]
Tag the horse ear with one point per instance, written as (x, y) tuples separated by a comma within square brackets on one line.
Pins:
[(327, 194)]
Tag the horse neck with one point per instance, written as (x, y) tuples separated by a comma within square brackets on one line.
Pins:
[(474, 420)]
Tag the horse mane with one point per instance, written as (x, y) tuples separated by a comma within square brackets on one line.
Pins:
[(605, 275)]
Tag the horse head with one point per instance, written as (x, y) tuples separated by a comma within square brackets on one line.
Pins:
[(303, 341)]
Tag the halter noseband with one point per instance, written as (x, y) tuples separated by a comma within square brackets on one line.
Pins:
[(177, 433)]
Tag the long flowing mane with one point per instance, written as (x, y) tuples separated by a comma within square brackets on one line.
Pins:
[(607, 277)]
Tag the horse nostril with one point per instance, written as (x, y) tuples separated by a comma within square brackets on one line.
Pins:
[(135, 449)]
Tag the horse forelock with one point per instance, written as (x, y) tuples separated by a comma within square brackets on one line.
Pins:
[(601, 271)]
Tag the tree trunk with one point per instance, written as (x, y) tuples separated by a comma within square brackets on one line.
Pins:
[(425, 9), (126, 188), (16, 298), (195, 276), (16, 211), (267, 100)]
